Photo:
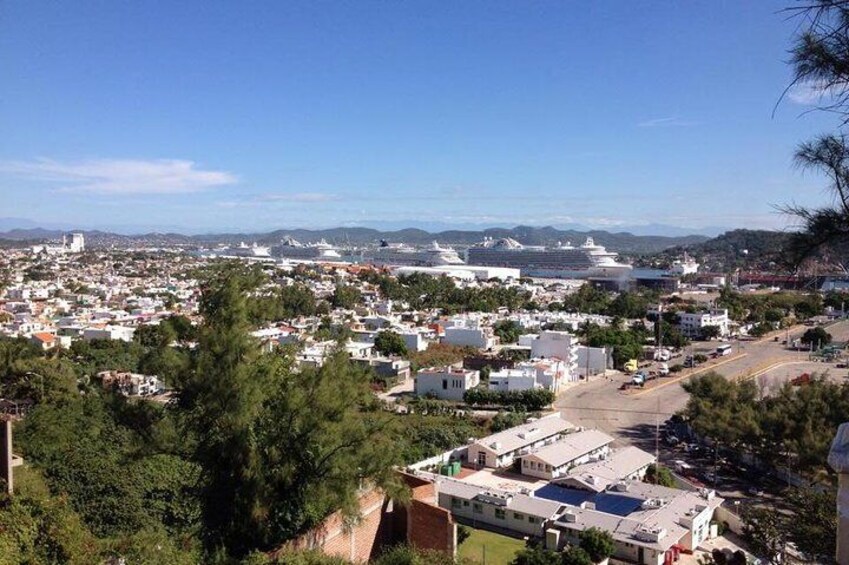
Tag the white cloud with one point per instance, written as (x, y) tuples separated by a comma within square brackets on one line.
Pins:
[(299, 197), (810, 93), (669, 122), (121, 176)]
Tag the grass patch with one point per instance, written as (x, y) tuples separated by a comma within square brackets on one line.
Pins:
[(499, 549)]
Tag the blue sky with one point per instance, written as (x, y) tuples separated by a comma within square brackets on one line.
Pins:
[(209, 115)]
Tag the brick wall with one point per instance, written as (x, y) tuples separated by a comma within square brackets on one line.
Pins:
[(431, 527), (384, 522), (355, 541)]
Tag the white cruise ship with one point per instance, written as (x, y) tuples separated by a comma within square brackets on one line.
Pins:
[(562, 261), (290, 248), (685, 266), (401, 254), (244, 250)]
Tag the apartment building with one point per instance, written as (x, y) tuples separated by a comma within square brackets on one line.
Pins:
[(556, 459), (502, 448)]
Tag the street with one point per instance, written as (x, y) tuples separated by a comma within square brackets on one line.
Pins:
[(634, 416)]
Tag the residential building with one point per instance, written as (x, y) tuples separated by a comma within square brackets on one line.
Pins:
[(650, 524), (121, 333), (556, 345), (626, 464), (131, 384), (556, 459), (500, 449), (469, 333), (519, 513), (692, 324), (549, 374), (392, 367), (446, 383), (593, 360)]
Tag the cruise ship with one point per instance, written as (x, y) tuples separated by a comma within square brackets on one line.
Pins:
[(252, 251), (563, 261), (400, 254), (290, 248), (686, 266)]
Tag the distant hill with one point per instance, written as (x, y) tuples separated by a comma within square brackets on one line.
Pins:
[(735, 249), (621, 242)]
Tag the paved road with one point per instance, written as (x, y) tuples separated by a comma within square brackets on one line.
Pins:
[(632, 416)]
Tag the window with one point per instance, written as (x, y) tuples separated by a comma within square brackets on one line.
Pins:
[(548, 467), (455, 502), (524, 462), (465, 503), (477, 508), (500, 514), (517, 516), (532, 520), (444, 384)]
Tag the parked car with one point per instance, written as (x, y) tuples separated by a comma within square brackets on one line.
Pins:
[(754, 491), (672, 440)]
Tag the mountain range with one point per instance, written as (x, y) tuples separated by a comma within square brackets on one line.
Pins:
[(622, 242)]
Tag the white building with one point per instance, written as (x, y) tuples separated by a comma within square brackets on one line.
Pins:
[(499, 450), (131, 384), (446, 383), (469, 333), (549, 374), (518, 513), (691, 325), (77, 244), (121, 333), (556, 345), (555, 460), (593, 360)]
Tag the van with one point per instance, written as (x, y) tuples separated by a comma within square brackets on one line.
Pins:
[(663, 370)]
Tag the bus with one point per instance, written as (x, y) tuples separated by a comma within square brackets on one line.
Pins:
[(724, 349)]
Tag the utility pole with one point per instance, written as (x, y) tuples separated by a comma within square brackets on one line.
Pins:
[(657, 444)]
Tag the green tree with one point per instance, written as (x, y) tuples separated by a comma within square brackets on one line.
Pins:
[(345, 296), (536, 556), (597, 543), (813, 529), (576, 555), (38, 528), (506, 420), (390, 343), (710, 332), (223, 400), (659, 475), (817, 336), (508, 331), (820, 58), (278, 449)]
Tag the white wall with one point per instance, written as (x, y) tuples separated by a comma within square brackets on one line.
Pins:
[(553, 344), (447, 386), (483, 513)]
